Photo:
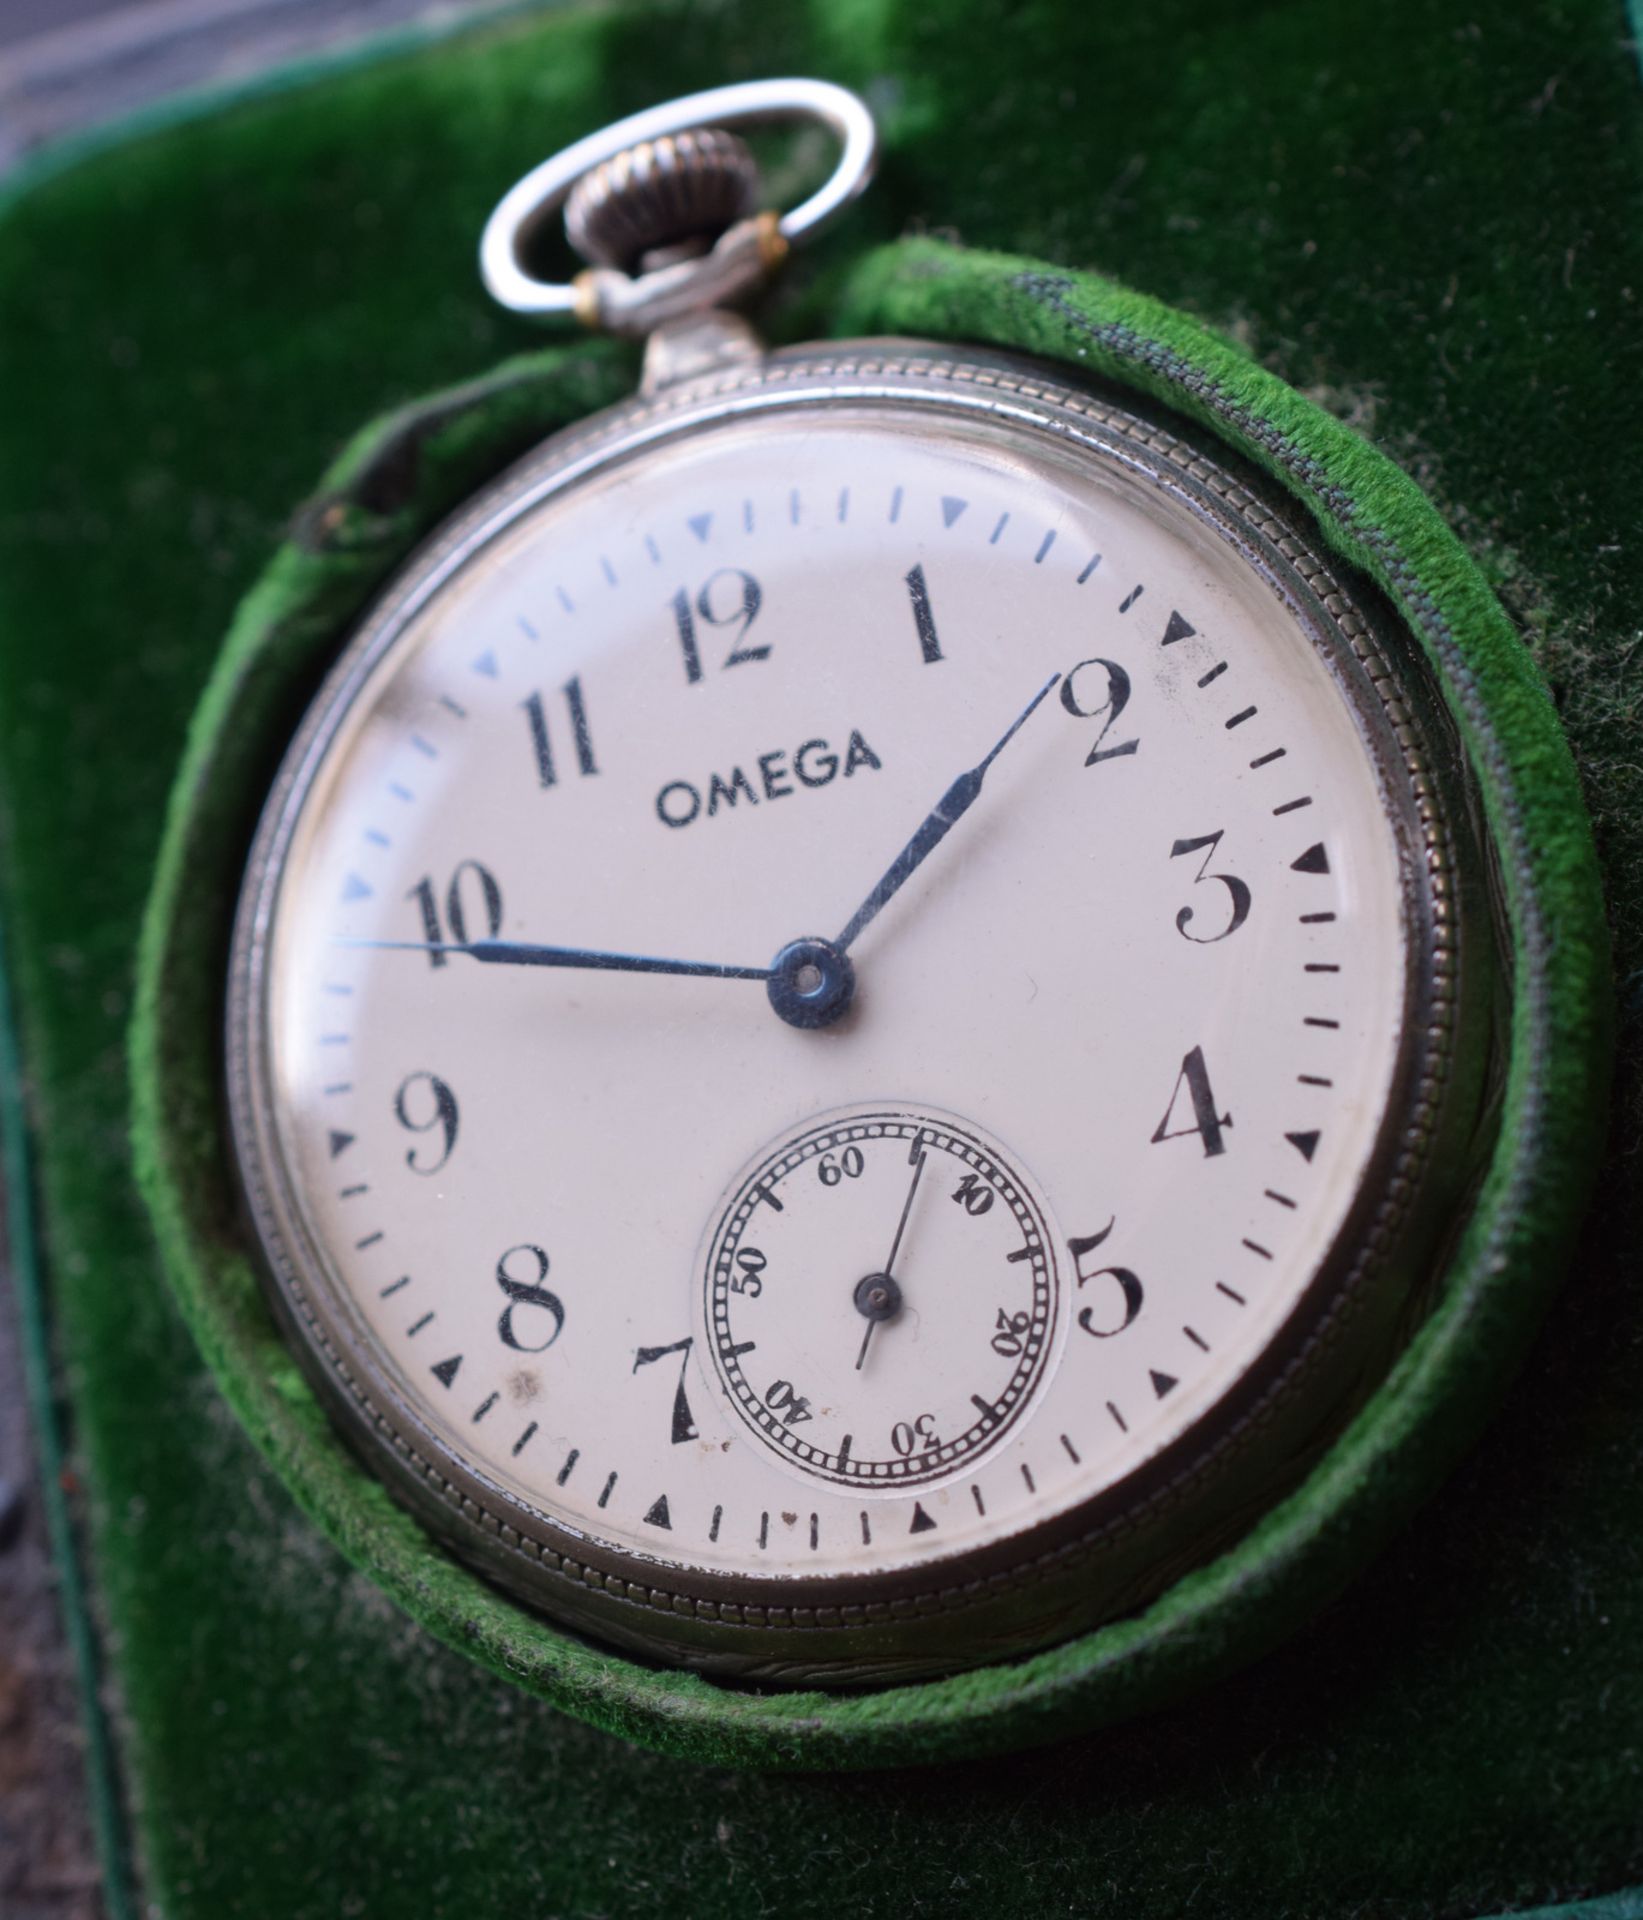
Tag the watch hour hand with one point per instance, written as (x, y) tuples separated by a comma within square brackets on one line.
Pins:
[(947, 812), (517, 953)]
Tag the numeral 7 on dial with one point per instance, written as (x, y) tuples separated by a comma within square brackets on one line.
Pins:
[(684, 1421)]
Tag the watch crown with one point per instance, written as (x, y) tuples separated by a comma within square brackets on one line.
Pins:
[(662, 200)]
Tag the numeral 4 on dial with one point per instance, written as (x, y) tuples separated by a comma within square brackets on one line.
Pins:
[(1210, 1126)]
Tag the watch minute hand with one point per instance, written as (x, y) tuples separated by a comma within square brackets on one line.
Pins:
[(947, 812), (514, 953)]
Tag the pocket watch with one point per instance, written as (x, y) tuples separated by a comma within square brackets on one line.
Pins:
[(863, 1006)]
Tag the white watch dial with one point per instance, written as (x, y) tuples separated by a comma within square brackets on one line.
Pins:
[(703, 1282)]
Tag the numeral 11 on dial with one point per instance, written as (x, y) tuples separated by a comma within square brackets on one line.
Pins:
[(542, 745)]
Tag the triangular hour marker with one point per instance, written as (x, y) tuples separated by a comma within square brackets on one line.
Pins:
[(445, 1372), (1314, 860), (1305, 1144), (1178, 629), (486, 664), (659, 1515), (922, 1523), (339, 1140), (951, 508), (354, 888), (700, 524), (1162, 1383)]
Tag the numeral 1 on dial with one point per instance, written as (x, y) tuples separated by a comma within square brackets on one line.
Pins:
[(924, 619)]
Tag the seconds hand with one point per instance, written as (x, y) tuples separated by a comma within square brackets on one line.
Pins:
[(882, 1296)]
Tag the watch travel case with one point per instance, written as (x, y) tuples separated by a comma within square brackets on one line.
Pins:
[(190, 409)]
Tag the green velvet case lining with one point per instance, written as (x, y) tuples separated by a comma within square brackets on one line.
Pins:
[(395, 483)]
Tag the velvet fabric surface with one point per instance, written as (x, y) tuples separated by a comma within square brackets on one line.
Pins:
[(1411, 216)]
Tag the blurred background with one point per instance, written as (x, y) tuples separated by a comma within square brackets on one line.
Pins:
[(65, 65)]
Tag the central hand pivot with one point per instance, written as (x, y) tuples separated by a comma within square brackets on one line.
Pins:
[(878, 1297), (811, 983)]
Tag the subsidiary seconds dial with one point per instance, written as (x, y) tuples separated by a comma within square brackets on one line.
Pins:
[(847, 1036), (881, 1298)]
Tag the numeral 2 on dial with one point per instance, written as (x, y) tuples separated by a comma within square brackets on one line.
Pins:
[(1074, 696)]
